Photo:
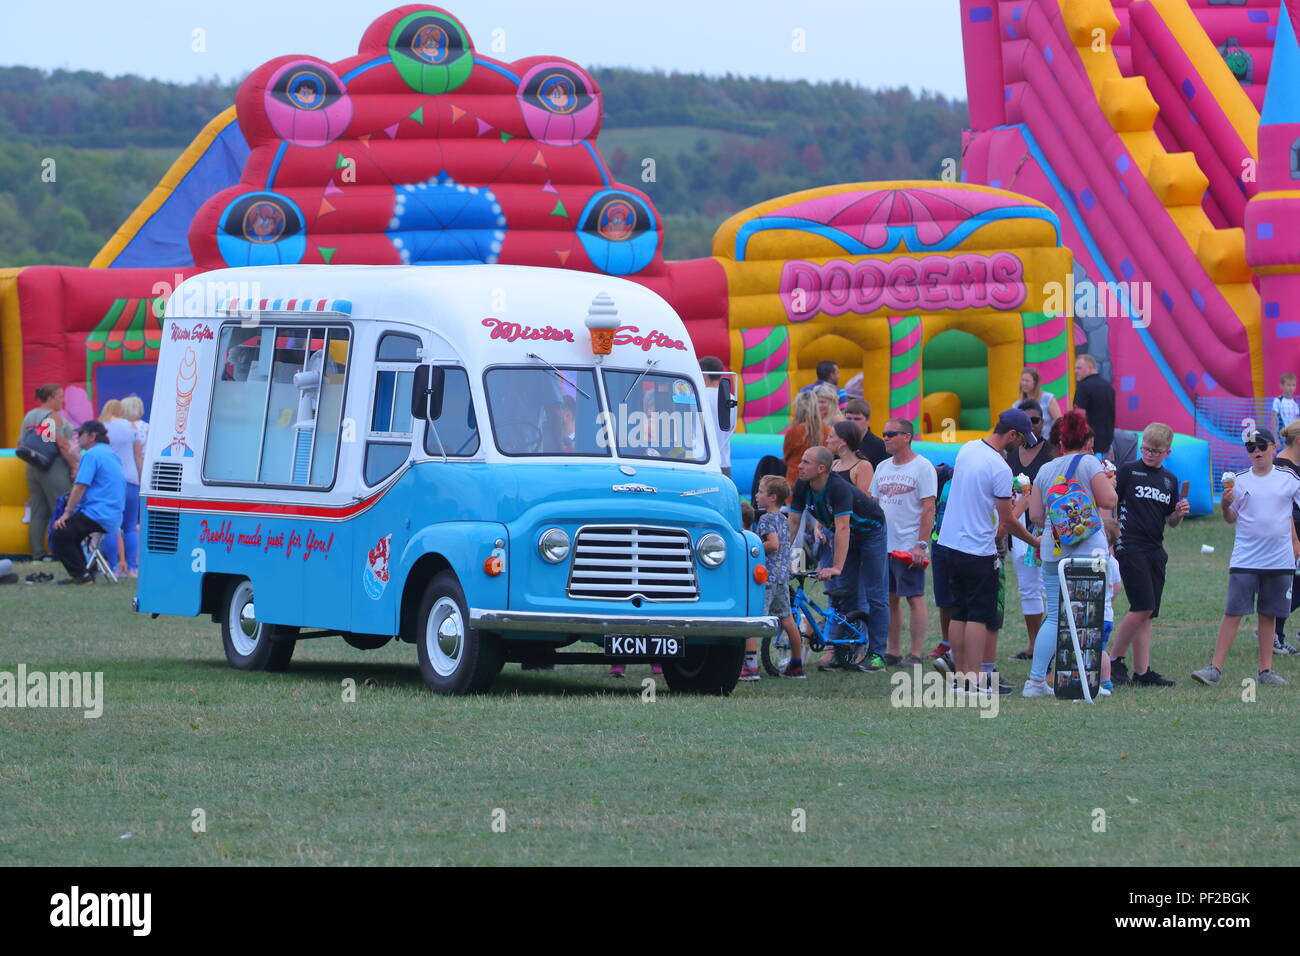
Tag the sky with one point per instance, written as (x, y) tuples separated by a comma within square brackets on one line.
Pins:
[(872, 43)]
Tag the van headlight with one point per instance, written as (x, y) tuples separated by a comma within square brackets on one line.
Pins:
[(553, 545), (711, 550)]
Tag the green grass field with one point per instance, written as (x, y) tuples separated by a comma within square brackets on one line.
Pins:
[(585, 771)]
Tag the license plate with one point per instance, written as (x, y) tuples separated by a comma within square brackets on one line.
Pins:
[(624, 645)]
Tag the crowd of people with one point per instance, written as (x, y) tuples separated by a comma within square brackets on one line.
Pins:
[(875, 515), (87, 485)]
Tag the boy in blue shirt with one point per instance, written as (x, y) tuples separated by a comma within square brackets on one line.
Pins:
[(95, 504)]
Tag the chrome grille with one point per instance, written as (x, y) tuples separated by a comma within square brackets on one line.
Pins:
[(618, 562), (166, 476), (164, 531)]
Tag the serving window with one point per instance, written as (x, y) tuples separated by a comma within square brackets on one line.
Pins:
[(277, 405)]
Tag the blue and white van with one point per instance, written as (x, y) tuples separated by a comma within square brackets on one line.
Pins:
[(441, 455)]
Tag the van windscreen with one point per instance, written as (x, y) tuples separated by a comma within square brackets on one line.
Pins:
[(545, 411), (655, 415)]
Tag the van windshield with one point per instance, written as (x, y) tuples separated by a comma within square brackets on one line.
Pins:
[(656, 415), (535, 411)]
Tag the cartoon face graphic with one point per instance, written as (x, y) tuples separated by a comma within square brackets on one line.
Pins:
[(557, 94), (264, 222), (430, 43), (617, 221), (305, 92)]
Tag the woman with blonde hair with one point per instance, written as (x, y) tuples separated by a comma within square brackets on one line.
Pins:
[(1031, 388), (126, 443), (133, 412), (807, 428), (828, 404)]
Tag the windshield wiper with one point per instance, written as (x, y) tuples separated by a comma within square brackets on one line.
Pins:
[(534, 355), (649, 365)]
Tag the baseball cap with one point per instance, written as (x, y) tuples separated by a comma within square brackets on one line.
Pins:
[(1257, 434), (94, 427), (1017, 420)]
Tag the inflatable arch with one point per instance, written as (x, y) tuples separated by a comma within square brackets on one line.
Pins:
[(872, 274)]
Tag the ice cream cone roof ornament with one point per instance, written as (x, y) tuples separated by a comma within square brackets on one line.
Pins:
[(602, 321)]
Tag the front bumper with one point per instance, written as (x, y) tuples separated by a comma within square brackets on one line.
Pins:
[(621, 624)]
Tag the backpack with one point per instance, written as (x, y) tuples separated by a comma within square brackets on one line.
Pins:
[(1071, 515)]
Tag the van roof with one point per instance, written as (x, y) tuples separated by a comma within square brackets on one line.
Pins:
[(464, 304), (401, 291)]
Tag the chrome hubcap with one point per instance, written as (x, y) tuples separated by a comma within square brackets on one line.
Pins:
[(444, 637), (246, 629)]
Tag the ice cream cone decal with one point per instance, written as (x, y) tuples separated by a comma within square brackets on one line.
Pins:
[(602, 323), (187, 377)]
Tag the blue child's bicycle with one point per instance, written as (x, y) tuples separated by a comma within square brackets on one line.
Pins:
[(817, 634)]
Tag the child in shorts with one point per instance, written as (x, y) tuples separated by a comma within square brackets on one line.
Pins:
[(1264, 552), (1112, 591), (1149, 502), (773, 528)]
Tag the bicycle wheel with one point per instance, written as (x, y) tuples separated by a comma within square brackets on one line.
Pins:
[(775, 652)]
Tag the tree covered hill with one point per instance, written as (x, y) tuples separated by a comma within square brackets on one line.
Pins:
[(714, 144)]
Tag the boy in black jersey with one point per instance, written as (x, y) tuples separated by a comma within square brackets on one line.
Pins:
[(1149, 500)]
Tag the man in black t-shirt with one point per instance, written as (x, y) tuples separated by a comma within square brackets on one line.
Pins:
[(1094, 395), (870, 445), (1149, 500), (861, 558)]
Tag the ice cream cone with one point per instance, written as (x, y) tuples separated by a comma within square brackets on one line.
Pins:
[(602, 322)]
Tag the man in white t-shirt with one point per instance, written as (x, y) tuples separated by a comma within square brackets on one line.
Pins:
[(905, 485), (1264, 554), (722, 439), (981, 487)]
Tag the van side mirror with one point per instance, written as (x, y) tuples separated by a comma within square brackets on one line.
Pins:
[(426, 393), (725, 404)]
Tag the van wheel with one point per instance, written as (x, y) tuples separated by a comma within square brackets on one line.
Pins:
[(707, 669), (454, 657), (250, 644)]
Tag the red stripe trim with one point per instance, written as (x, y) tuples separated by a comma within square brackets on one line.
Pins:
[(290, 306), (336, 513)]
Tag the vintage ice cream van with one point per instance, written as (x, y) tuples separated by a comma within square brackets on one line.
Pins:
[(489, 462)]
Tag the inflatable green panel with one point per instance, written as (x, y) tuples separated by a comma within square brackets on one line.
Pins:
[(956, 361)]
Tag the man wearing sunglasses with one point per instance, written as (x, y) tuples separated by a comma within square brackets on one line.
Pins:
[(1264, 553)]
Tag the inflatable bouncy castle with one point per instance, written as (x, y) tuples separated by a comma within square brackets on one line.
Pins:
[(420, 150), (1165, 134)]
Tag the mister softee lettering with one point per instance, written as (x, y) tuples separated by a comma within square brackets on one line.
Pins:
[(513, 331)]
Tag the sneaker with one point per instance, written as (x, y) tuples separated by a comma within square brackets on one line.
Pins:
[(870, 664), (892, 660), (794, 671), (944, 663), (1149, 679), (911, 660), (750, 672), (1280, 646), (1119, 673), (1103, 691), (618, 670), (1272, 677), (1206, 675), (657, 670), (1003, 687), (939, 651), (38, 577), (1037, 689), (48, 558)]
